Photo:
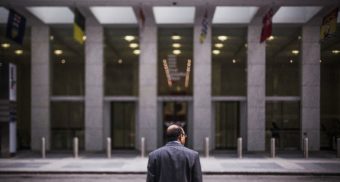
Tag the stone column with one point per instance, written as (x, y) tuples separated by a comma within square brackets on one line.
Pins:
[(310, 86), (94, 76), (147, 105), (202, 119), (40, 75), (256, 85)]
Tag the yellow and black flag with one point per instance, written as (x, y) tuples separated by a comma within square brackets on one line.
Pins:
[(79, 27)]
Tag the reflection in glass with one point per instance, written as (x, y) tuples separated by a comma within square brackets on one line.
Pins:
[(330, 92), (282, 62), (175, 62), (67, 57), (229, 61), (121, 62)]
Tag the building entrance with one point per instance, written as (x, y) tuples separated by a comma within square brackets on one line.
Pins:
[(227, 124), (123, 125), (174, 112)]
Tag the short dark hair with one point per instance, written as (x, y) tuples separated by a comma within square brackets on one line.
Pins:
[(173, 132)]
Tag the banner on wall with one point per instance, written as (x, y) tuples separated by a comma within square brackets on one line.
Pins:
[(16, 24), (267, 25), (328, 26), (12, 82)]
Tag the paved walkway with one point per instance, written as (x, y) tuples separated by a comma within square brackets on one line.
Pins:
[(289, 164)]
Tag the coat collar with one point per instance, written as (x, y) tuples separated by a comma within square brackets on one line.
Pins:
[(174, 143)]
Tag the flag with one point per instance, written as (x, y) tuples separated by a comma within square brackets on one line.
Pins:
[(267, 25), (79, 27), (16, 25), (328, 26), (141, 17), (204, 28)]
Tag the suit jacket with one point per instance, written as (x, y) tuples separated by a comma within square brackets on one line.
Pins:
[(174, 163)]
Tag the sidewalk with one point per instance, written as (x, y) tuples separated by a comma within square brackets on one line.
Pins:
[(284, 164)]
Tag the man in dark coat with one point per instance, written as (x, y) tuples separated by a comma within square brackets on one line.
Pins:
[(174, 162)]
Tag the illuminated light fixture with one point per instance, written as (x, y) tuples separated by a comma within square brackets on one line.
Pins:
[(295, 52), (133, 45), (18, 52), (271, 38), (219, 45), (51, 37), (167, 73), (176, 52), (5, 45), (234, 60), (176, 37), (187, 74), (216, 52), (291, 61), (176, 45), (129, 38), (299, 37), (84, 37), (222, 38), (63, 61), (320, 61), (245, 45), (58, 52), (120, 61), (335, 51), (137, 51)]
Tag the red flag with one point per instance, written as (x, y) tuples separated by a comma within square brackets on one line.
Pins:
[(141, 17), (267, 25)]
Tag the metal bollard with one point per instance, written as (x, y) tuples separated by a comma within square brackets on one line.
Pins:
[(305, 147), (272, 148), (142, 147), (239, 147), (43, 148), (75, 147), (338, 147), (207, 147), (108, 147)]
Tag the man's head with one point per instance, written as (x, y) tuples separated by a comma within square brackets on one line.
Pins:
[(175, 132)]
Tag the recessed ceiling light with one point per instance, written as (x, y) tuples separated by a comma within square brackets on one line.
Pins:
[(295, 52), (271, 38), (58, 52), (18, 52), (216, 52), (320, 60), (222, 38), (176, 52), (291, 61), (5, 45), (129, 38), (84, 37), (299, 37), (63, 61), (176, 45), (133, 45), (176, 37), (137, 51), (219, 45), (120, 61), (335, 51), (51, 37), (234, 60)]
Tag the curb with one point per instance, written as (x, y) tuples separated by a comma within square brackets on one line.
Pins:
[(144, 173)]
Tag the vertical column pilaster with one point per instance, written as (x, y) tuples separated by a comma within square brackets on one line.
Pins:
[(40, 76), (147, 105), (202, 104), (310, 86), (256, 67), (94, 84)]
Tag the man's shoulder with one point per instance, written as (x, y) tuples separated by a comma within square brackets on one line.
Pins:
[(169, 147)]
